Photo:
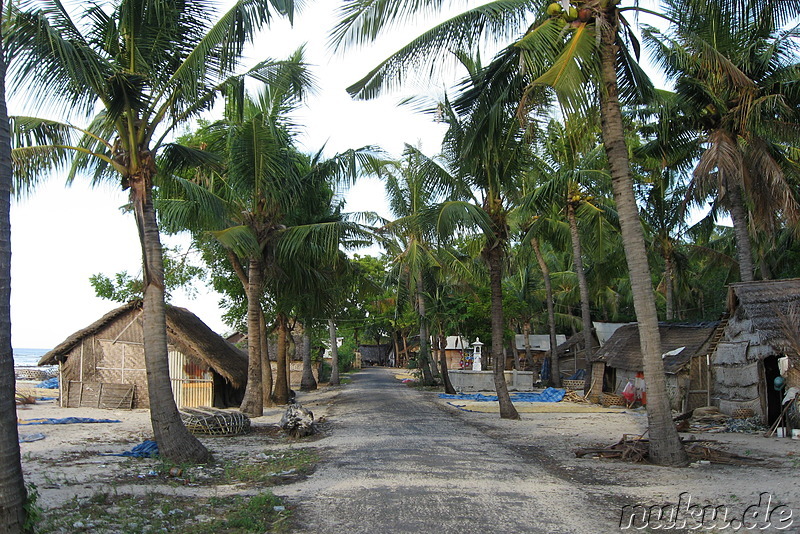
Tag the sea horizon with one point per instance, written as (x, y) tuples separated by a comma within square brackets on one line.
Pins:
[(28, 357)]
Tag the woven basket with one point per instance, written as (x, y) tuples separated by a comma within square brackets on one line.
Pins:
[(610, 399), (574, 385), (742, 413)]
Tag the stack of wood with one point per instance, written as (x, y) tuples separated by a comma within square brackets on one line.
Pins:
[(636, 449), (297, 421), (574, 396)]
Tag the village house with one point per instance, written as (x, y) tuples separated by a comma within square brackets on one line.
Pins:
[(103, 364)]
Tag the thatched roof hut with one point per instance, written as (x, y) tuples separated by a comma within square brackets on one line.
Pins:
[(684, 349), (746, 361), (106, 359)]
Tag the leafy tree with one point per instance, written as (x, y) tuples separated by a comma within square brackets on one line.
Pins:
[(178, 273)]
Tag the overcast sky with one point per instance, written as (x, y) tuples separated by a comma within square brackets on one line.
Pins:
[(61, 236)]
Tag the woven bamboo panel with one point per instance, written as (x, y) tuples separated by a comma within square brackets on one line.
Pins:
[(100, 395)]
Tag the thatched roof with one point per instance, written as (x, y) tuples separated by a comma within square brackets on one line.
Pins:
[(184, 330), (622, 350), (767, 303), (574, 343)]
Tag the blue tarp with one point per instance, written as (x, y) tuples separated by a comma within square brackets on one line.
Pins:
[(548, 395), (65, 421), (50, 383), (146, 449)]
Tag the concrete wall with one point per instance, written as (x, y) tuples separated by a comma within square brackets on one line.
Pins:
[(472, 381)]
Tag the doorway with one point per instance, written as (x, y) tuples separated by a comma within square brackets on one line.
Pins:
[(774, 397)]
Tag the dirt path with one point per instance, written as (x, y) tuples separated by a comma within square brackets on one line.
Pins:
[(395, 463)]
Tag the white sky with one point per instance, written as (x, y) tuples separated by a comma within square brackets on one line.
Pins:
[(61, 236)]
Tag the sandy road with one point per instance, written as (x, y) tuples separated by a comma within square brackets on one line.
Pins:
[(395, 462)]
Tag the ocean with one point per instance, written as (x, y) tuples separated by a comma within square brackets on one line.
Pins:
[(28, 357)]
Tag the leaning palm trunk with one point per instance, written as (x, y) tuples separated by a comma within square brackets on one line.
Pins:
[(307, 383), (494, 256), (12, 483), (175, 443), (253, 402), (281, 395), (334, 381), (555, 369), (665, 445), (583, 286), (744, 251)]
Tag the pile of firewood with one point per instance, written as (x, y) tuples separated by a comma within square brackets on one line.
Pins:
[(636, 449)]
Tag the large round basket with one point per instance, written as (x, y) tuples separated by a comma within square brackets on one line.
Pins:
[(610, 399), (574, 385)]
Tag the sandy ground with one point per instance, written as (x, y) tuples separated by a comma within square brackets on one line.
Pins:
[(68, 461)]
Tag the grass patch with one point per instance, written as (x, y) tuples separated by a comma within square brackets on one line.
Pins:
[(272, 467), (125, 514)]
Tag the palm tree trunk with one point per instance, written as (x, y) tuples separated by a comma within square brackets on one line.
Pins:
[(423, 360), (555, 369), (266, 364), (494, 256), (448, 386), (175, 443), (281, 395), (253, 401), (307, 383), (668, 288), (583, 286), (744, 250), (334, 354), (12, 483), (526, 331), (665, 445)]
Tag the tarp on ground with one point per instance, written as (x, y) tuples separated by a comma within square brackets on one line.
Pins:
[(548, 395)]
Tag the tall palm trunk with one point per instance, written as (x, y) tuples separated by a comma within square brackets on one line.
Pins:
[(253, 401), (494, 257), (175, 443), (555, 368), (448, 386), (266, 365), (12, 483), (281, 395), (668, 287), (665, 445), (744, 250), (424, 351), (526, 331), (583, 286), (307, 383), (334, 354)]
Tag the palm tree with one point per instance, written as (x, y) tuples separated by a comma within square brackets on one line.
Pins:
[(149, 67), (488, 150), (734, 66), (412, 187), (13, 495), (569, 172)]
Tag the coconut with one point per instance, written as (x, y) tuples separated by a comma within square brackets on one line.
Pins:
[(571, 14), (554, 9), (584, 15)]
